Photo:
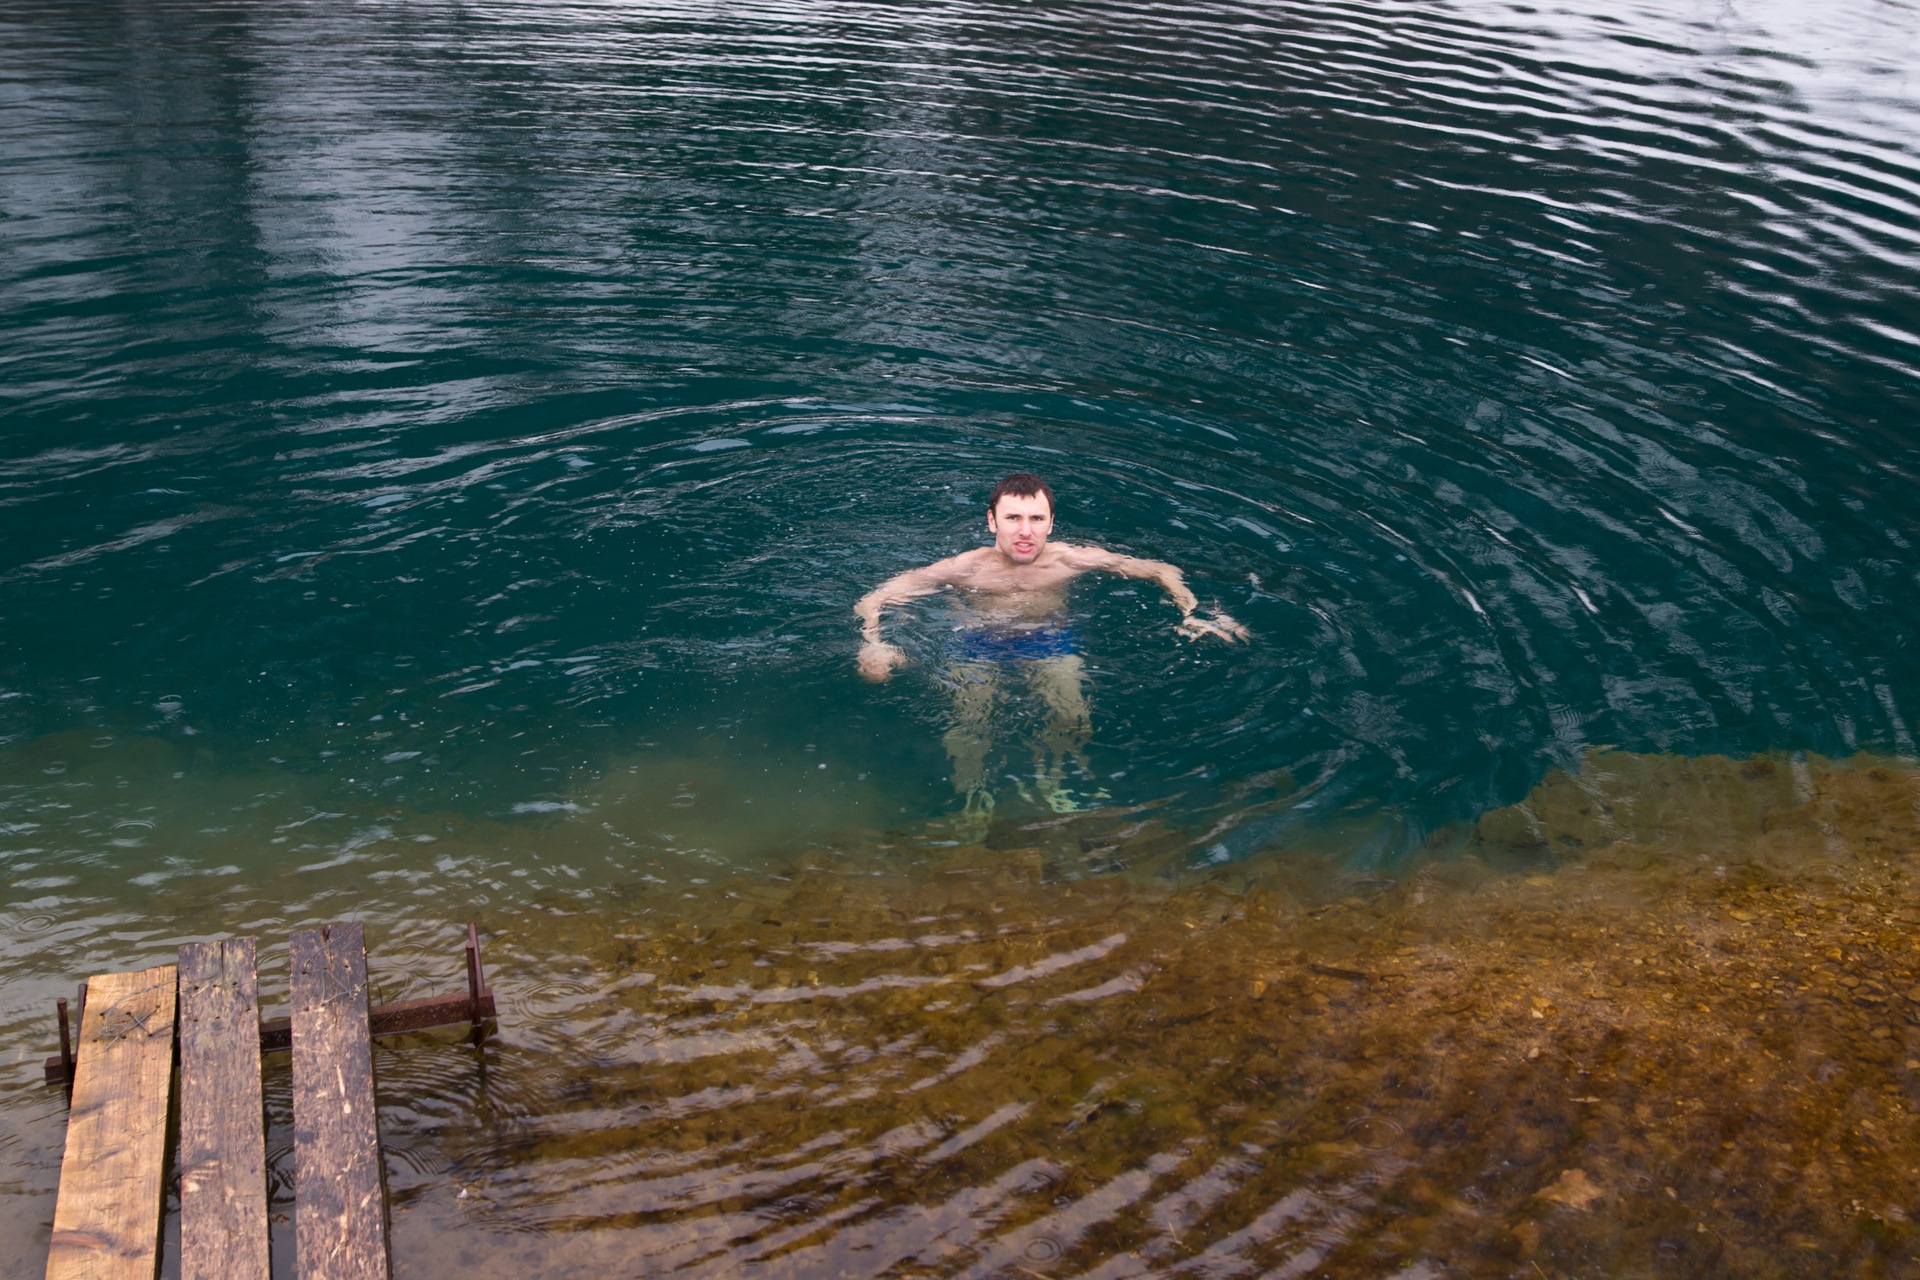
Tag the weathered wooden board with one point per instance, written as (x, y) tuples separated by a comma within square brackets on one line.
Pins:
[(340, 1195), (106, 1221), (221, 1155)]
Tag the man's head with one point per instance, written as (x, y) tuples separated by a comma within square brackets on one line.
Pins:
[(1020, 516)]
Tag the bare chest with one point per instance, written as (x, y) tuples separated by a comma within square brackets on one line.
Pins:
[(1034, 590), (1023, 579)]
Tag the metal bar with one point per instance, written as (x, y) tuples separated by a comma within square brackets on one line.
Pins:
[(66, 1040), (481, 998), (62, 1068), (276, 1034)]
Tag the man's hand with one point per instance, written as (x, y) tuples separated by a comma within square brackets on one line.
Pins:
[(1218, 625), (878, 659)]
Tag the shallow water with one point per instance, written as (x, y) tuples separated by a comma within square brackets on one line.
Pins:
[(1637, 1064), (441, 444), (1660, 1018)]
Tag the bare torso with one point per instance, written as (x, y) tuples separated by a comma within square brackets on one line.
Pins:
[(995, 590)]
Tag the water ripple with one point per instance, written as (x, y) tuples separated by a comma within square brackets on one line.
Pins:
[(442, 444)]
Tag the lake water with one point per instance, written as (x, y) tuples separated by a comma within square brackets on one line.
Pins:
[(440, 446)]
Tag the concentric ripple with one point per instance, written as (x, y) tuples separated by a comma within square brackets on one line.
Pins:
[(1527, 381), (440, 446)]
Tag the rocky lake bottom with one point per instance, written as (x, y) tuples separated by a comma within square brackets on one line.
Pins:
[(1661, 1018)]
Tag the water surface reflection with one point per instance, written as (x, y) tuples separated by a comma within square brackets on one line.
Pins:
[(439, 445)]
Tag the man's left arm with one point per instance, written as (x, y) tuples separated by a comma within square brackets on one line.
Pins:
[(1173, 582)]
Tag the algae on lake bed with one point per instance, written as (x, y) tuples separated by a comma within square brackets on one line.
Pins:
[(1663, 1018)]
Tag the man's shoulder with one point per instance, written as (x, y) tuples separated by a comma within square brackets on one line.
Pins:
[(1081, 555), (958, 566), (968, 560)]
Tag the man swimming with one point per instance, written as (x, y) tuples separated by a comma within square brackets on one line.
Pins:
[(1014, 596)]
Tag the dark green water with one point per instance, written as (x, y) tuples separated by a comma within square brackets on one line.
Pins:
[(424, 415), (559, 377)]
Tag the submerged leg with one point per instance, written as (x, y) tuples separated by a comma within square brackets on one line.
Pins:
[(973, 687), (1060, 682)]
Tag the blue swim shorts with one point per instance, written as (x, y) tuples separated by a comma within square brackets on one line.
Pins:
[(1014, 644)]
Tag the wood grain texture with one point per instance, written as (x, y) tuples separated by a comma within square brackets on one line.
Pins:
[(221, 1155), (340, 1201), (106, 1222)]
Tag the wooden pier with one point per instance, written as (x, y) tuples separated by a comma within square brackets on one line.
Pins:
[(107, 1219), (222, 1155), (340, 1216)]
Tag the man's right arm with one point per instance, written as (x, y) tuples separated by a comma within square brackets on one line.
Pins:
[(878, 658), (1172, 581)]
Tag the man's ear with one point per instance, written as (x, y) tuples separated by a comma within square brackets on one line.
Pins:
[(993, 525)]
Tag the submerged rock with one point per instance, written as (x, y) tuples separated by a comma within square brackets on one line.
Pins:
[(1574, 1189), (1619, 797)]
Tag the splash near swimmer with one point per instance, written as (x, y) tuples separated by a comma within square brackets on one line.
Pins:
[(1013, 597)]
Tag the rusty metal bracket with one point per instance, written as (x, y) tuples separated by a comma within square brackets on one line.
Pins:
[(476, 1006), (479, 995), (60, 1070)]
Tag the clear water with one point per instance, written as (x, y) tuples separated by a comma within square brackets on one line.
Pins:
[(440, 446)]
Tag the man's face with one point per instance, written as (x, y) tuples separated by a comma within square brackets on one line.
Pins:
[(1020, 526)]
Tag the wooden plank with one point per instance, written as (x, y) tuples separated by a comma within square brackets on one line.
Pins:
[(340, 1193), (106, 1221), (222, 1150)]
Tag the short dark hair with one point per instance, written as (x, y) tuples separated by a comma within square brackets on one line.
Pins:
[(1021, 484)]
